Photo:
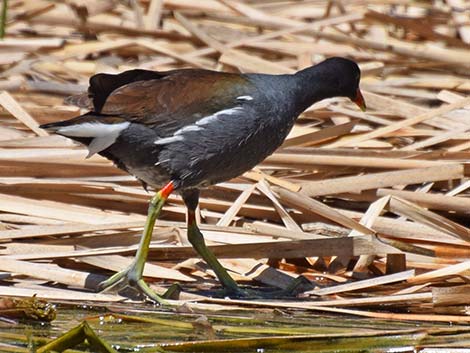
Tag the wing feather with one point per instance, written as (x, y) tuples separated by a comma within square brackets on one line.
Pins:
[(168, 100)]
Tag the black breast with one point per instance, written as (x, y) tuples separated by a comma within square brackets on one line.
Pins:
[(226, 147)]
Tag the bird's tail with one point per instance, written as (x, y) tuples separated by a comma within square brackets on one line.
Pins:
[(95, 131), (55, 126)]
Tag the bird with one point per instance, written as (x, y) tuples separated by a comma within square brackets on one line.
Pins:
[(187, 129)]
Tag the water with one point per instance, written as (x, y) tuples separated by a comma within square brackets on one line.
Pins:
[(257, 331)]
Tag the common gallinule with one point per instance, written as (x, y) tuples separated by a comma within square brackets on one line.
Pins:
[(188, 129)]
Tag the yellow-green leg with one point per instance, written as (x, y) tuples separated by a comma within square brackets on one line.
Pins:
[(195, 237), (133, 275)]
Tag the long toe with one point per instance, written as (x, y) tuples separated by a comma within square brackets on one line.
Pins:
[(115, 280), (128, 278), (296, 286), (149, 292), (237, 292)]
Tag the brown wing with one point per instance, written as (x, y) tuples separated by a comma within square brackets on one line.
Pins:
[(179, 98), (102, 85), (168, 99)]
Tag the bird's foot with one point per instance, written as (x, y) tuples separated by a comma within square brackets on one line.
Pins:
[(131, 277), (297, 285), (237, 292)]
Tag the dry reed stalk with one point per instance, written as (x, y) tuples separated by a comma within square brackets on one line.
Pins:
[(336, 173)]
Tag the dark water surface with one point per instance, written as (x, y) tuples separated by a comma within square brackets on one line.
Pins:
[(145, 328)]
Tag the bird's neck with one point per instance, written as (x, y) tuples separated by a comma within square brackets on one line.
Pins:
[(311, 85)]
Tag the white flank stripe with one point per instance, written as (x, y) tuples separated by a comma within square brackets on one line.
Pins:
[(104, 135), (211, 118), (245, 98), (170, 139), (188, 128), (178, 135), (160, 162)]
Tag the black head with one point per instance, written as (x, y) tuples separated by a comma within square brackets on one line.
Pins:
[(346, 76), (335, 77)]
